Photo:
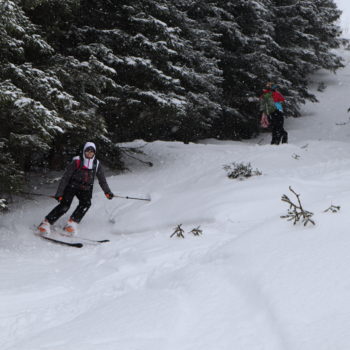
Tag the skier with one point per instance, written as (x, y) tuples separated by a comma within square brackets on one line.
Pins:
[(78, 181), (271, 104)]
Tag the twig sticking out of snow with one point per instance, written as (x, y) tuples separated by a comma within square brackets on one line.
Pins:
[(296, 212), (333, 209), (196, 231), (179, 232)]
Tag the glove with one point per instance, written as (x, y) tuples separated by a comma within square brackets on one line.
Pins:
[(58, 198), (109, 195)]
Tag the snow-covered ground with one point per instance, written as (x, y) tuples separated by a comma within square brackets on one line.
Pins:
[(251, 281), (344, 22)]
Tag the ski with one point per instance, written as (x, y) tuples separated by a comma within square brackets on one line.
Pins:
[(87, 240), (56, 241), (92, 240), (70, 244)]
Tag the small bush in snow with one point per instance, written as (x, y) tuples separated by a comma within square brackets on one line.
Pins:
[(196, 231), (333, 209), (241, 171), (179, 232), (296, 212)]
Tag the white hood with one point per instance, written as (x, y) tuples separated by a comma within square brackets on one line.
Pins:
[(88, 163)]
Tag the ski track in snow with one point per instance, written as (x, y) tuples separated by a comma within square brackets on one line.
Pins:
[(252, 281)]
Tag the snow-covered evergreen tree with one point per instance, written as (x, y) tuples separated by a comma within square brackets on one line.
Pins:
[(180, 69), (11, 176), (156, 82), (40, 115), (305, 32), (27, 126), (112, 71), (245, 29)]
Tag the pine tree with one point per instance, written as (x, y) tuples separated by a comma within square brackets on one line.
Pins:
[(246, 32), (28, 127), (11, 176), (305, 32), (112, 71), (63, 85), (164, 87)]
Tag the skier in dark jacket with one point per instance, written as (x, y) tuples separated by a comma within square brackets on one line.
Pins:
[(78, 180), (271, 104)]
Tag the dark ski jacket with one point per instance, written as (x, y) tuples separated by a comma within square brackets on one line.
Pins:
[(79, 177)]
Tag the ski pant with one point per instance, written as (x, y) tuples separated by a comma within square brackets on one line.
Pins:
[(84, 197), (278, 132)]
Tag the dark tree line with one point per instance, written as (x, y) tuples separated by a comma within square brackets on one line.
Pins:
[(113, 71)]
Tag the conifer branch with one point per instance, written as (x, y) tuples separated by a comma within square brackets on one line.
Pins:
[(196, 231), (179, 232), (296, 212), (333, 209), (127, 152)]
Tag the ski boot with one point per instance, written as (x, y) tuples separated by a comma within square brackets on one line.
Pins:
[(44, 228), (71, 228)]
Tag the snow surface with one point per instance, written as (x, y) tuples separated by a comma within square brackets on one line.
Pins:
[(344, 6), (252, 281)]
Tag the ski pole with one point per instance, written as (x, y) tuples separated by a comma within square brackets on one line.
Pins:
[(37, 194), (139, 199)]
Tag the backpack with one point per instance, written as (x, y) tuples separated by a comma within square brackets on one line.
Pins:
[(264, 121), (267, 103)]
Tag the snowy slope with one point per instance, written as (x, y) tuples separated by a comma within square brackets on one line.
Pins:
[(251, 281), (344, 21)]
